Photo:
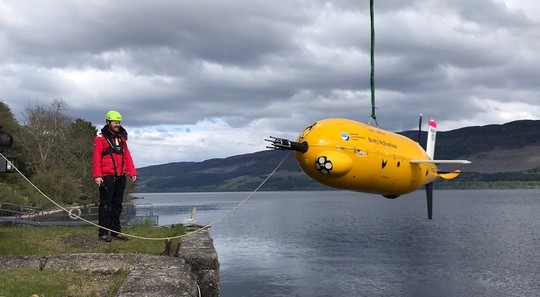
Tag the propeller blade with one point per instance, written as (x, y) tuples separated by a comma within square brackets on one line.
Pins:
[(429, 198)]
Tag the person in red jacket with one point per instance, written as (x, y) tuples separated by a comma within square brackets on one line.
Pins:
[(112, 161)]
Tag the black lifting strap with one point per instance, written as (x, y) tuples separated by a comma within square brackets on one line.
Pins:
[(114, 149)]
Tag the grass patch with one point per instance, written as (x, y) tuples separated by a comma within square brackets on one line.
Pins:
[(26, 282), (44, 241)]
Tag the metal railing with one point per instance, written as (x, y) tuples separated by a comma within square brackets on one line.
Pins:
[(35, 216)]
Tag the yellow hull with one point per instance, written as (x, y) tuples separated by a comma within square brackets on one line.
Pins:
[(350, 155)]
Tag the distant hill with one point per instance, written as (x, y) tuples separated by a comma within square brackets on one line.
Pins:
[(236, 173), (511, 147), (505, 155)]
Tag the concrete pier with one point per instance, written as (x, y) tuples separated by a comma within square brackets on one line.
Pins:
[(194, 273)]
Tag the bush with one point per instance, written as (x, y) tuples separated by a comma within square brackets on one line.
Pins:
[(59, 185)]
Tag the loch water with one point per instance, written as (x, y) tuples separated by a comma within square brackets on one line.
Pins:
[(340, 243)]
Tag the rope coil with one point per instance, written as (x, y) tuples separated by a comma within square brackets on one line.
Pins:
[(74, 215)]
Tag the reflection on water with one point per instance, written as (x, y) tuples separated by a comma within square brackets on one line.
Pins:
[(480, 243)]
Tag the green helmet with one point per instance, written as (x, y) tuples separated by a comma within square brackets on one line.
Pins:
[(113, 115)]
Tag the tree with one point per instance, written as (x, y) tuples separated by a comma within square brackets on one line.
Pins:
[(59, 151), (81, 137), (13, 188), (7, 120), (44, 136), (10, 125)]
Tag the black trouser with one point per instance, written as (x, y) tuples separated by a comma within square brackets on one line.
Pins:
[(111, 194)]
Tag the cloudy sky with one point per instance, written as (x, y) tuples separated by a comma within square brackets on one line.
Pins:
[(205, 79)]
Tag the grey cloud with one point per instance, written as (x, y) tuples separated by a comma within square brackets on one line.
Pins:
[(226, 32), (292, 61), (491, 14)]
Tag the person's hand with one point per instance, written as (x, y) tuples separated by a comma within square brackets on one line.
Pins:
[(98, 181), (134, 178)]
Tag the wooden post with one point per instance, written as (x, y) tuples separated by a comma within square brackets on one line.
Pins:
[(193, 213)]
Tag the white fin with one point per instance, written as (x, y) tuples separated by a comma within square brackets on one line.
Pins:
[(431, 136), (441, 161)]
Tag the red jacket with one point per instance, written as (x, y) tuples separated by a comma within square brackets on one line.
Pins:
[(113, 163)]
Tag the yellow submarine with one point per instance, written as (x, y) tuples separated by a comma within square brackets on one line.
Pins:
[(350, 155)]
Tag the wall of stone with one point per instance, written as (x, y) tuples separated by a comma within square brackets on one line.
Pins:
[(194, 273)]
